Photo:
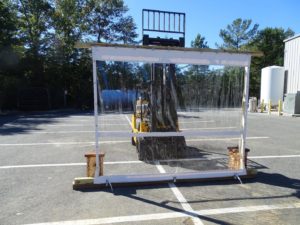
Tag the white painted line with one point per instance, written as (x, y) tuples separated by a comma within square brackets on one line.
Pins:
[(128, 120), (66, 132), (63, 143), (173, 215), (189, 133), (254, 208), (122, 162), (273, 156), (125, 141), (60, 132), (208, 128), (139, 162), (67, 125), (224, 139), (80, 125), (42, 165), (65, 164), (198, 121), (55, 120), (183, 202)]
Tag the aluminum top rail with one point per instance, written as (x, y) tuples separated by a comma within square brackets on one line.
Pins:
[(169, 55)]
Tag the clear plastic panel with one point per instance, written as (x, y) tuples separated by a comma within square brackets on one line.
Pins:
[(183, 117)]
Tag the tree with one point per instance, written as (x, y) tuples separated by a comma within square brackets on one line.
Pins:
[(70, 24), (34, 24), (7, 23), (126, 30), (270, 42), (238, 34), (199, 42), (9, 54), (108, 22), (37, 46), (8, 30)]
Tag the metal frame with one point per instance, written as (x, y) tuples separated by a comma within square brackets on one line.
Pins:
[(163, 23), (105, 52)]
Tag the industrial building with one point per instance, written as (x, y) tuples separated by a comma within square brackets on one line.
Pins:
[(292, 75)]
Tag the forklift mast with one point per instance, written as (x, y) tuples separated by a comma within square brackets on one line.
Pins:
[(163, 114), (162, 91), (155, 22)]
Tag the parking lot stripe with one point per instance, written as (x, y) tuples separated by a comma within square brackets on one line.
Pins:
[(272, 156), (92, 131), (224, 139), (183, 202), (66, 132), (69, 125), (125, 141), (42, 165), (198, 121), (62, 143), (64, 164), (137, 162), (172, 215), (128, 120), (208, 128)]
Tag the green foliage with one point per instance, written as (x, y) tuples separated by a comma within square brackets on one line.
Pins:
[(240, 35), (37, 45), (237, 34), (7, 23), (270, 42), (199, 42), (108, 23)]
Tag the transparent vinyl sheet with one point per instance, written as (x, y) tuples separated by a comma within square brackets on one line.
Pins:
[(185, 117)]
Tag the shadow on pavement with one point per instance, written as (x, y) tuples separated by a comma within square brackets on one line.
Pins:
[(27, 122), (272, 179)]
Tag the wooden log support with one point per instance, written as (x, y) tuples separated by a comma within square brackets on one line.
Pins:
[(91, 164), (87, 183), (234, 157)]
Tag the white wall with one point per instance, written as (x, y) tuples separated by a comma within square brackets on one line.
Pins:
[(292, 63)]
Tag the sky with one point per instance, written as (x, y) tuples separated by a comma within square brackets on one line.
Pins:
[(209, 16)]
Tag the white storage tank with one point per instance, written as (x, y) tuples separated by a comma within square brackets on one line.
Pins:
[(272, 84)]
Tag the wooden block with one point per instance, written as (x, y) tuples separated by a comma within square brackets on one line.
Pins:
[(83, 180), (91, 164)]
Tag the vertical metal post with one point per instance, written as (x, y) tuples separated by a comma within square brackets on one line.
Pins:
[(153, 27), (244, 116), (164, 21), (179, 23), (143, 22), (148, 19), (174, 17), (158, 20), (184, 26), (169, 20), (96, 117)]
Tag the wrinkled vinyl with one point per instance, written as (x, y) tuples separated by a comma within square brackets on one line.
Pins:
[(200, 104)]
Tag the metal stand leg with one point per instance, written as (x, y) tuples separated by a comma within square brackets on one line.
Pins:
[(108, 183), (238, 178)]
